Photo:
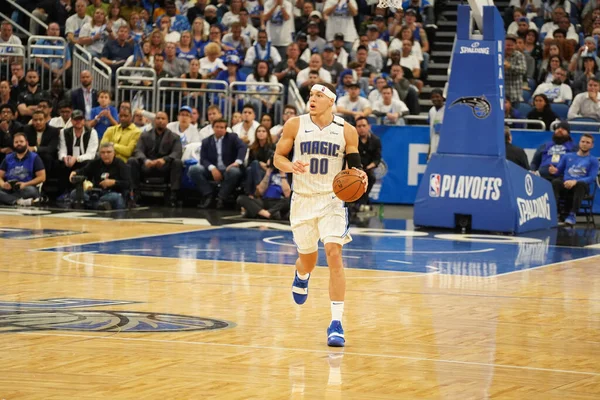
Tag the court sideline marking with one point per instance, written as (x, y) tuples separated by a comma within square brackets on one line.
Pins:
[(392, 274), (350, 353)]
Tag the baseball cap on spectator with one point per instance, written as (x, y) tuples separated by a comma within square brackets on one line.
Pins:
[(338, 36), (210, 7), (232, 59), (345, 72), (410, 11), (328, 47), (524, 19), (313, 23), (362, 47), (512, 37), (185, 108), (353, 84), (589, 39), (301, 36), (379, 18), (77, 114), (316, 14), (372, 27), (564, 125)]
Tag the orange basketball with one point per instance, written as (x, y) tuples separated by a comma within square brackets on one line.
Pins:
[(348, 186)]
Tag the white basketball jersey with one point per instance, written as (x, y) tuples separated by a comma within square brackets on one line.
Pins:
[(324, 152)]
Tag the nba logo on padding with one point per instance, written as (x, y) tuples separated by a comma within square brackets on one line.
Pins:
[(434, 185)]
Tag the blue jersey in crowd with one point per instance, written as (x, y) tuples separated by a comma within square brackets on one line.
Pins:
[(579, 168)]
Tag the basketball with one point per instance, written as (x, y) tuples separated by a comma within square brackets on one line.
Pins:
[(348, 186)]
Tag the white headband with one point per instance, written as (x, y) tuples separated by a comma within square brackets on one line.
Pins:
[(325, 90)]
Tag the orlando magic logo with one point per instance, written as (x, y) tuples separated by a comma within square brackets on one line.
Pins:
[(479, 104)]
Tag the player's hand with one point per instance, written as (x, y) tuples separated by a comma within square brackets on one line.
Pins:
[(570, 184), (552, 169), (299, 167), (363, 176)]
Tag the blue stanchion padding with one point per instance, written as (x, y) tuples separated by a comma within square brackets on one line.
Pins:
[(497, 194), (469, 175)]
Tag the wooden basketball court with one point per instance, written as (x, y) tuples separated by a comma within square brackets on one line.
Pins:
[(92, 325)]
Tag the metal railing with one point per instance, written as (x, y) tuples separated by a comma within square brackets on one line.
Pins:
[(28, 14), (294, 97), (14, 24), (269, 101), (47, 54), (572, 123), (198, 93), (101, 75), (136, 85), (527, 122), (9, 54), (82, 60)]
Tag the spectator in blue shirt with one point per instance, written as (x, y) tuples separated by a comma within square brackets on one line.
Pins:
[(580, 171), (179, 23), (20, 173), (59, 59), (104, 116)]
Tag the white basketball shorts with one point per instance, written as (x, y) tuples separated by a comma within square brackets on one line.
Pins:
[(320, 216)]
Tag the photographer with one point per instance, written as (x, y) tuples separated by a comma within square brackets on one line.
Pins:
[(272, 197), (20, 173), (109, 177)]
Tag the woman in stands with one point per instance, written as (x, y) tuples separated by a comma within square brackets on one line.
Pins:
[(532, 47), (259, 154), (199, 35), (541, 111), (136, 28), (590, 70), (547, 74), (262, 73), (114, 19), (157, 42), (185, 48), (406, 34)]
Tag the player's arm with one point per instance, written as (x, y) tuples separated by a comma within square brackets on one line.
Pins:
[(284, 146), (352, 154)]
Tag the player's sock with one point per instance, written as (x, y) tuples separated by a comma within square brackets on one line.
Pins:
[(337, 310), (303, 277)]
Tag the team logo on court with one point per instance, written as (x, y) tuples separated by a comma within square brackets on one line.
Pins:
[(479, 105), (58, 314), (528, 185)]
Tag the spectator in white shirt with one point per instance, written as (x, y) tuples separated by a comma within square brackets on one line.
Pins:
[(190, 138), (233, 15), (436, 118), (518, 16), (262, 50), (64, 120), (76, 21), (390, 109), (409, 61), (246, 129), (376, 44), (315, 64), (213, 113), (315, 42), (557, 91), (93, 35), (211, 65), (587, 105), (279, 19), (7, 37), (375, 94), (352, 106)]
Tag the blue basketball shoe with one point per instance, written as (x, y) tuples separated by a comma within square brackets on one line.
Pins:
[(335, 335), (571, 219), (300, 289)]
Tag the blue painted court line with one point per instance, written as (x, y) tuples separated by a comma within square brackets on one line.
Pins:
[(384, 253)]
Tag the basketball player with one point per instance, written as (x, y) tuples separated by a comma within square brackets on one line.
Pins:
[(320, 141)]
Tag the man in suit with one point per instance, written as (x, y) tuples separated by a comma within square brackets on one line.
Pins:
[(221, 160), (158, 153), (85, 98), (514, 153), (43, 139)]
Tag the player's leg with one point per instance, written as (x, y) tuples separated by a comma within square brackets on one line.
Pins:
[(306, 238), (333, 229)]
